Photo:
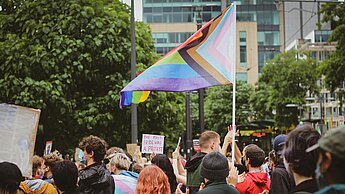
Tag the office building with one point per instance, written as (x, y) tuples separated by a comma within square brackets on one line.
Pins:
[(259, 28)]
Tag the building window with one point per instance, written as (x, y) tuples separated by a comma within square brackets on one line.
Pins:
[(243, 54), (243, 36), (243, 48), (268, 38), (242, 77)]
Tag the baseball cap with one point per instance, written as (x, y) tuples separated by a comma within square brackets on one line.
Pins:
[(332, 141), (279, 141)]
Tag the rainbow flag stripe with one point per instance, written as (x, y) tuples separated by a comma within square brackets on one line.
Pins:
[(206, 59)]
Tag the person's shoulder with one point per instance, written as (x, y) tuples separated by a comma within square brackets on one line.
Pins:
[(222, 188), (336, 188), (280, 172)]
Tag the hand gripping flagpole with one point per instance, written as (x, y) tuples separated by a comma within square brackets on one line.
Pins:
[(234, 98)]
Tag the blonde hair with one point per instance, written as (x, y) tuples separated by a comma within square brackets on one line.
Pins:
[(121, 161), (206, 137)]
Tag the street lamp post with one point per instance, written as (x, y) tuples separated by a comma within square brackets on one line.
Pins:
[(134, 119), (201, 91), (189, 132), (300, 108)]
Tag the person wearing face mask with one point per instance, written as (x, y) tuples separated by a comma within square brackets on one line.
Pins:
[(256, 181), (301, 164), (209, 142), (330, 166)]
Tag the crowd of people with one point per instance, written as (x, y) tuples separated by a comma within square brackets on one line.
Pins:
[(300, 162)]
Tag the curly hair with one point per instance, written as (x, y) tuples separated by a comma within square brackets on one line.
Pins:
[(297, 141), (36, 164), (152, 180), (51, 159), (94, 144), (163, 162)]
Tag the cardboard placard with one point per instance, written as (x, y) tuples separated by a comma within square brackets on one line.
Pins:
[(18, 128), (132, 148), (152, 144), (48, 149)]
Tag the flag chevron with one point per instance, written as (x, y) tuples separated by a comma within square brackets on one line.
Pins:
[(204, 60)]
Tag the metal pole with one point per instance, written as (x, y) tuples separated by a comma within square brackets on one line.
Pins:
[(201, 109), (201, 91), (301, 18), (189, 126), (318, 16), (233, 104), (134, 119)]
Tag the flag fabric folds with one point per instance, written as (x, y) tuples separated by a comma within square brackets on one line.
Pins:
[(204, 60)]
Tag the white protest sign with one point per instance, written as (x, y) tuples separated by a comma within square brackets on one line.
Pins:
[(152, 143), (18, 128)]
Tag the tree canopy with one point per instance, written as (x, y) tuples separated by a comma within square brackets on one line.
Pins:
[(71, 58), (334, 68), (286, 79), (218, 106)]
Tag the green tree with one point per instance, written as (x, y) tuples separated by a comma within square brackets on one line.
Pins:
[(218, 106), (285, 80), (334, 68), (71, 58)]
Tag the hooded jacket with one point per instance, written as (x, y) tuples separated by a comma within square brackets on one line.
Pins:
[(96, 179), (126, 182), (37, 186), (254, 182), (194, 179)]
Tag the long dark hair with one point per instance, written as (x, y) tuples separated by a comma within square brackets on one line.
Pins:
[(163, 162)]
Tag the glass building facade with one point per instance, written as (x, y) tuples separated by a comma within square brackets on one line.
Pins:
[(177, 12), (267, 16), (264, 12)]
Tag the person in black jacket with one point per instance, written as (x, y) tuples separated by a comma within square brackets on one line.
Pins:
[(215, 169), (95, 178), (281, 180)]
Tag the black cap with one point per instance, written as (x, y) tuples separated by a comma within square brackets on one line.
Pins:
[(279, 142), (332, 141), (10, 177), (214, 166)]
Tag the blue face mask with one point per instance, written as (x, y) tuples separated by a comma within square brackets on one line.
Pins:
[(320, 179), (81, 157)]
